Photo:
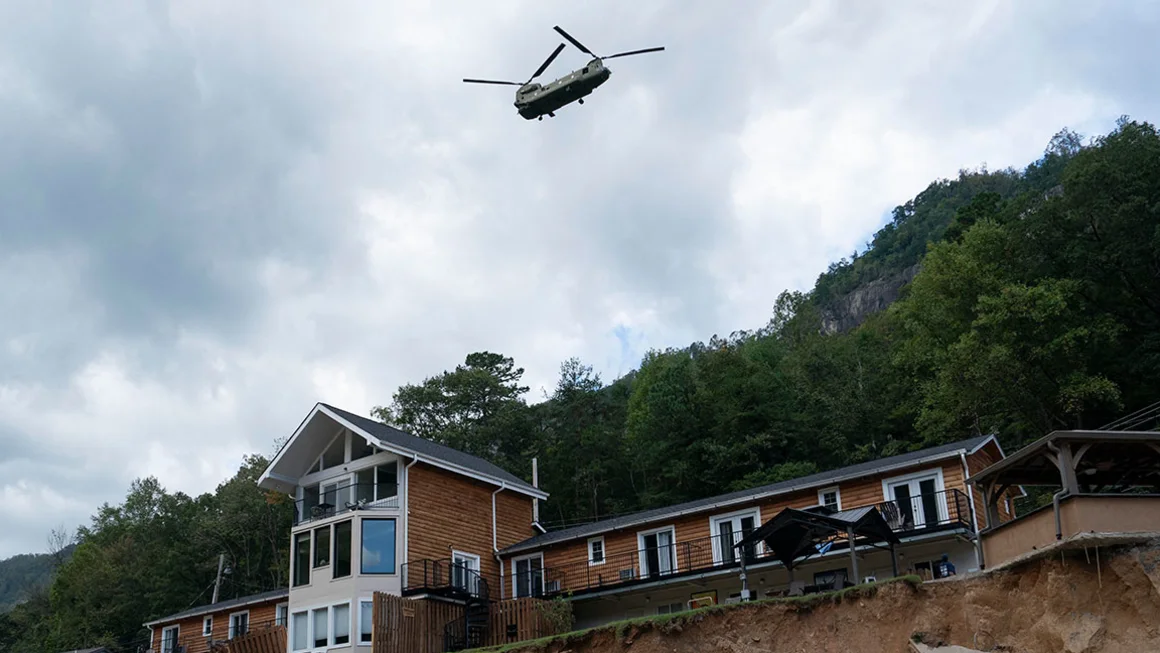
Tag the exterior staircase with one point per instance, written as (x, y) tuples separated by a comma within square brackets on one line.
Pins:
[(470, 630)]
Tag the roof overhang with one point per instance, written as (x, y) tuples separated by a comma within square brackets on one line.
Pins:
[(269, 597), (794, 534), (278, 478), (1100, 458), (755, 496)]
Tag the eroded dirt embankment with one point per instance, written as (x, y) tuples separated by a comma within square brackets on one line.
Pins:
[(1067, 602)]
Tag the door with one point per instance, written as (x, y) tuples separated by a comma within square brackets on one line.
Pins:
[(918, 501), (658, 553), (465, 572), (529, 577), (728, 532)]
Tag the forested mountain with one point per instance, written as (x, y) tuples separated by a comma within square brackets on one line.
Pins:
[(1035, 305), (23, 575)]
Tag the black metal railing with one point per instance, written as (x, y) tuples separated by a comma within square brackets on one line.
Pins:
[(445, 576), (335, 500), (932, 511)]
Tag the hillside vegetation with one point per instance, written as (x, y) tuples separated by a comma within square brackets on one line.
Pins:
[(1036, 307)]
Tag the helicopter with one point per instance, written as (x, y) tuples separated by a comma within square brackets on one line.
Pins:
[(534, 100)]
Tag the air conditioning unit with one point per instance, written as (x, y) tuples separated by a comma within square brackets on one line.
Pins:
[(552, 586), (869, 579), (627, 574)]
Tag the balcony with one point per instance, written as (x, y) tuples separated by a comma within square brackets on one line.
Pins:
[(445, 577), (939, 511), (336, 499)]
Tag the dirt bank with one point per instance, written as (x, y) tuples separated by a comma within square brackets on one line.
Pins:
[(1069, 602)]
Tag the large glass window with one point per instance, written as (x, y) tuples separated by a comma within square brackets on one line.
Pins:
[(377, 483), (302, 558), (335, 454), (239, 624), (322, 546), (342, 547), (360, 448), (365, 621), (529, 576), (341, 615), (319, 621), (300, 631), (378, 546)]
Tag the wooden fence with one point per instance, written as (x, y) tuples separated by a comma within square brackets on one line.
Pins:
[(516, 620), (417, 625), (269, 640)]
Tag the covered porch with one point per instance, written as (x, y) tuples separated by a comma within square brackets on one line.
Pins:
[(1105, 481)]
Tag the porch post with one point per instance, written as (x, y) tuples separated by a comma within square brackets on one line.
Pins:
[(894, 559), (744, 580), (853, 556)]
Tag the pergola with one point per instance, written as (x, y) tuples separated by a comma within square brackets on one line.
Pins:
[(1078, 462), (794, 535)]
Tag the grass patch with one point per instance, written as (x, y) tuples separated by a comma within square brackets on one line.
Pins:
[(677, 621)]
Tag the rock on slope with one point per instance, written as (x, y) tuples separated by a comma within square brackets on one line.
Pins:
[(1073, 602)]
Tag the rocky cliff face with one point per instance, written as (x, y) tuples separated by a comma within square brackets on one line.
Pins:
[(853, 309)]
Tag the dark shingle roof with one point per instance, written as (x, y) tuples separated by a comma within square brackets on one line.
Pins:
[(223, 605), (813, 480), (429, 449)]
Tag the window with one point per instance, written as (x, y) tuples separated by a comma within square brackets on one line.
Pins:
[(528, 579), (340, 614), (335, 454), (831, 498), (300, 632), (377, 483), (302, 558), (169, 639), (342, 545), (360, 448), (280, 614), (728, 530), (834, 578), (366, 610), (335, 496), (658, 551), (207, 626), (378, 546), (670, 608), (322, 546), (239, 624), (596, 551), (318, 621)]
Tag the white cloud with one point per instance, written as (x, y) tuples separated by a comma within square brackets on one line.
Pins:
[(217, 214)]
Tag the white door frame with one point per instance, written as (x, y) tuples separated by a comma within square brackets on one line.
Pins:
[(912, 480), (644, 570), (715, 529)]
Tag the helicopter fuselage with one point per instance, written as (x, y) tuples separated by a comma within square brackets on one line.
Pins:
[(535, 100)]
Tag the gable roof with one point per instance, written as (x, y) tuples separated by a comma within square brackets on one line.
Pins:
[(239, 602), (399, 442), (820, 479)]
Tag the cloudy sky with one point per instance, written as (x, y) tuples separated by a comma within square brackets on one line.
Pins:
[(214, 214)]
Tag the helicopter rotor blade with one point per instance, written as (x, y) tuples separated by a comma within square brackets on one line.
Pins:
[(625, 54), (492, 81), (547, 62), (573, 41)]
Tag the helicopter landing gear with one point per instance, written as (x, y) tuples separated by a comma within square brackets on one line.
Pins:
[(540, 118), (551, 115), (581, 100)]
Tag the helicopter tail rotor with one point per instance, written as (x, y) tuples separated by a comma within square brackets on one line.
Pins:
[(493, 81), (574, 42), (632, 52), (547, 62), (585, 49)]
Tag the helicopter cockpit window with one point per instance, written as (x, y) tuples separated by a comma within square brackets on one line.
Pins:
[(585, 70)]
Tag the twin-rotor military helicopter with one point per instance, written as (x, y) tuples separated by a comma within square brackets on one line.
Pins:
[(534, 100)]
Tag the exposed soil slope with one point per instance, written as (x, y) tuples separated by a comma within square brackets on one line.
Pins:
[(1068, 601)]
